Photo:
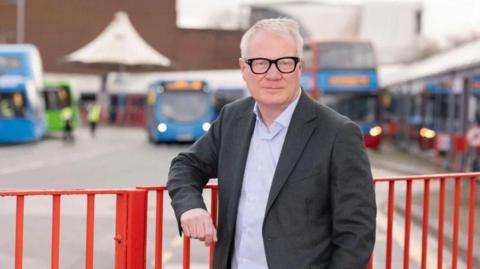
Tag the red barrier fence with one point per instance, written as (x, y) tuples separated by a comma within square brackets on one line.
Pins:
[(130, 236), (424, 214)]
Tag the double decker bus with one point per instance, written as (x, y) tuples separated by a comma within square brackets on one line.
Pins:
[(343, 75), (58, 95), (178, 110), (22, 116)]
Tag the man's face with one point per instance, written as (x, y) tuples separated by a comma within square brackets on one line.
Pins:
[(273, 89)]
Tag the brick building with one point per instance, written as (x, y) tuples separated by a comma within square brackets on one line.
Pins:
[(59, 27)]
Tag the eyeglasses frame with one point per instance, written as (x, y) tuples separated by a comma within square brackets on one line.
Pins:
[(270, 62)]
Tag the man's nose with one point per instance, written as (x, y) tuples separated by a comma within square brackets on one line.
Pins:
[(273, 72)]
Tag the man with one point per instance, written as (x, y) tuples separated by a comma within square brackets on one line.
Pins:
[(295, 188)]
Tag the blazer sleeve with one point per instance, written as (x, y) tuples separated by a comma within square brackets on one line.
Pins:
[(352, 199), (190, 171)]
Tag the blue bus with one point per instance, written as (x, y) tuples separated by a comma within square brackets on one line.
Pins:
[(343, 75), (22, 111), (178, 110)]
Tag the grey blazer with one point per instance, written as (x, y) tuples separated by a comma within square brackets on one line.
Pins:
[(321, 207)]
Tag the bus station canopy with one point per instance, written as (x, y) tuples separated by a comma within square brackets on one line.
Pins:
[(118, 45), (461, 59)]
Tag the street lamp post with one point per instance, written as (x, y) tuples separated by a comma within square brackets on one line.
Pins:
[(20, 21)]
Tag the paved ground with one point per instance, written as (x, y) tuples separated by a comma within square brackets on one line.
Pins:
[(121, 158)]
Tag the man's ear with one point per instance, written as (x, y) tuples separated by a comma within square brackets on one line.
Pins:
[(242, 64)]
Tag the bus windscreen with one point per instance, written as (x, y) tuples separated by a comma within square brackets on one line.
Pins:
[(57, 98), (184, 106), (359, 108)]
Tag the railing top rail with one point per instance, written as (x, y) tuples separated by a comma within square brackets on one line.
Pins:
[(65, 192), (4, 193), (210, 186), (433, 176), (152, 188), (163, 188)]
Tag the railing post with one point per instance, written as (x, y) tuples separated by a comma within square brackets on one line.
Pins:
[(121, 231), (408, 225), (89, 246), (131, 230), (55, 251), (425, 222), (159, 231), (186, 252), (137, 229), (390, 212), (456, 221), (441, 220), (471, 222), (214, 196), (19, 233)]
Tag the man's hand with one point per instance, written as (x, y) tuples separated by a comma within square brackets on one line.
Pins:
[(197, 223)]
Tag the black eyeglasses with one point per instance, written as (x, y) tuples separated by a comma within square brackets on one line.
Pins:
[(262, 65)]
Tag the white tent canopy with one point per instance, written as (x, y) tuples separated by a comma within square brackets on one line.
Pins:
[(119, 44)]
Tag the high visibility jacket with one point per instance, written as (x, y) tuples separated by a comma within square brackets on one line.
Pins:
[(67, 113), (94, 113)]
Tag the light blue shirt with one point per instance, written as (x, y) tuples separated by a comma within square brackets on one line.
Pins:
[(263, 154)]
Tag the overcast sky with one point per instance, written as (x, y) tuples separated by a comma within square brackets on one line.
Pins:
[(442, 18)]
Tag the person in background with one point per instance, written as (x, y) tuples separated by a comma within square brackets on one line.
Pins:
[(94, 111), (67, 118), (294, 181)]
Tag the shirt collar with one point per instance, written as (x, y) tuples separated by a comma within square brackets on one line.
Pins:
[(285, 117)]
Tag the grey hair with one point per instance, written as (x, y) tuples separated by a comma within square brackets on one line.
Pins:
[(281, 26)]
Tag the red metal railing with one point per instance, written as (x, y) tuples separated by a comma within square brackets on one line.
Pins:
[(186, 241), (130, 236), (424, 218), (130, 227)]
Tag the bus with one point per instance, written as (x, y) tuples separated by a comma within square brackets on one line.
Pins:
[(427, 112), (58, 95), (178, 110), (343, 76), (22, 110)]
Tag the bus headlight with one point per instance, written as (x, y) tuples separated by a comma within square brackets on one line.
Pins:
[(206, 126), (427, 133), (162, 127), (375, 131)]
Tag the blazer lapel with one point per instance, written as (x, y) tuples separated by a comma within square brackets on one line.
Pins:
[(240, 144), (299, 132)]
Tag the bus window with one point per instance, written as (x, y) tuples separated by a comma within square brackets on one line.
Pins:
[(57, 98), (359, 108), (9, 63), (12, 105), (184, 106), (346, 55)]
